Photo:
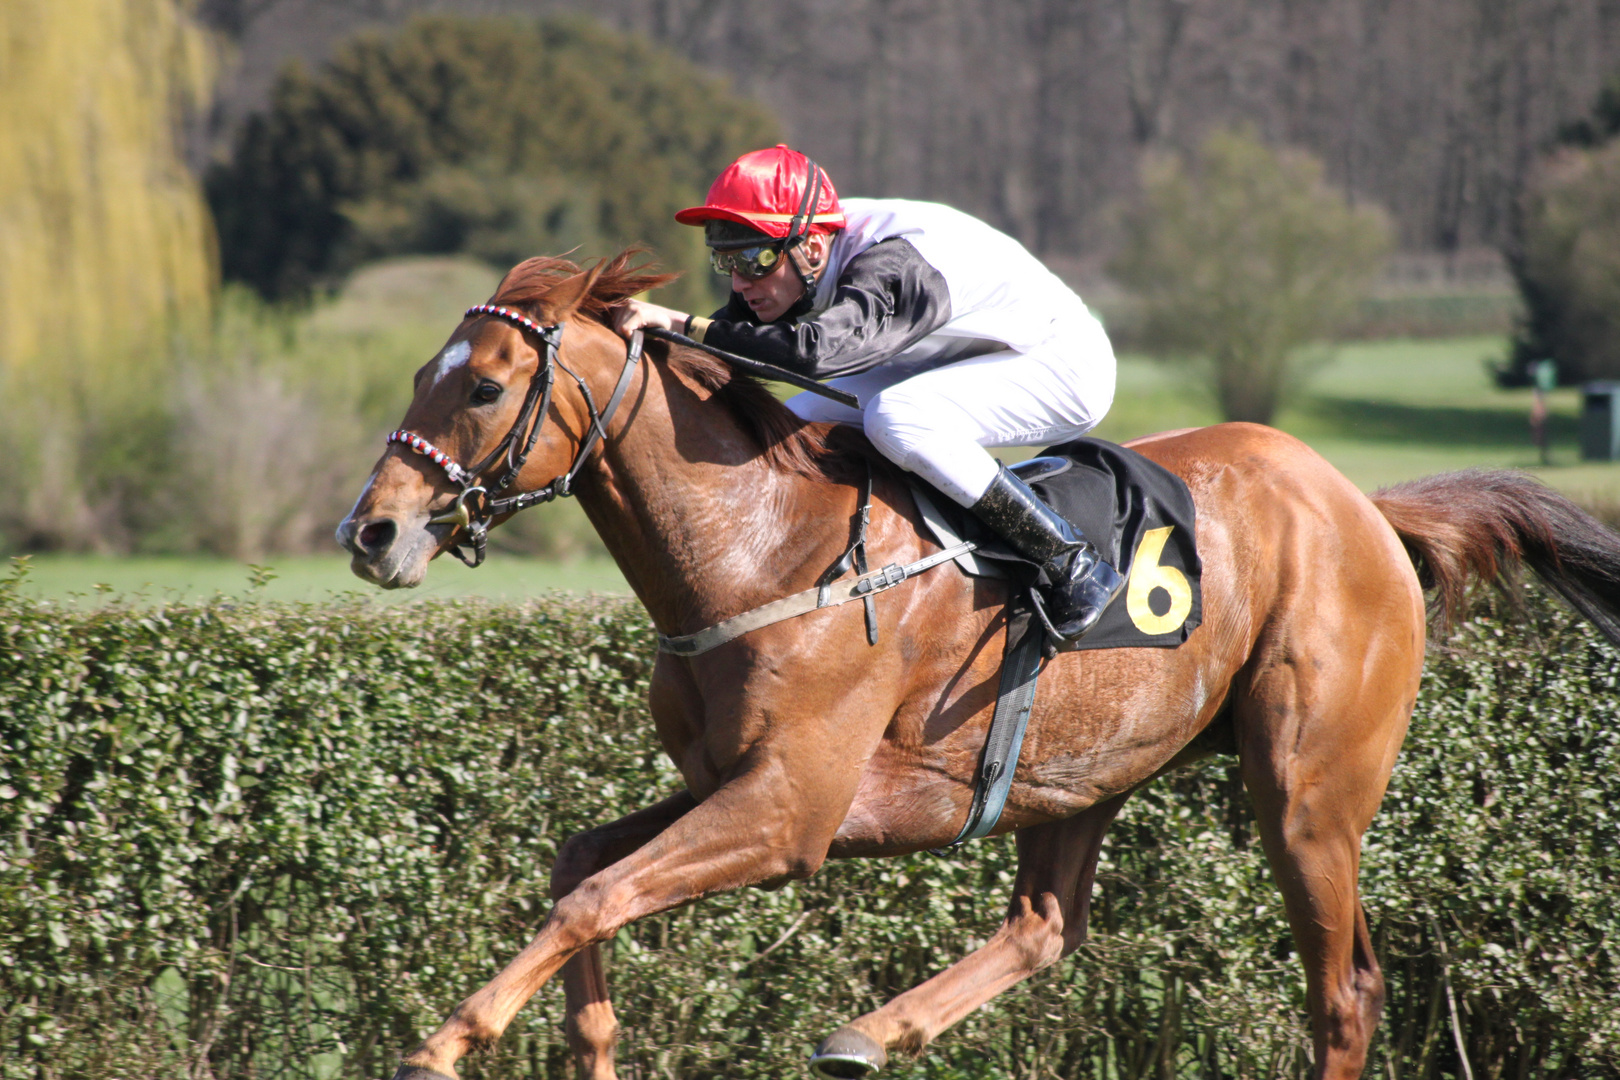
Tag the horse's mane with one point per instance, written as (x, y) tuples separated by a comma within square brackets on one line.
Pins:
[(827, 453)]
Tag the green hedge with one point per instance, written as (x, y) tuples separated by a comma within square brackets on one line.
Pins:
[(273, 841)]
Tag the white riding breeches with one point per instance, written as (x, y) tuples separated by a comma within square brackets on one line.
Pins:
[(937, 423)]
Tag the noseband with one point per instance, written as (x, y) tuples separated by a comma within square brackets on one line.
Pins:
[(476, 505)]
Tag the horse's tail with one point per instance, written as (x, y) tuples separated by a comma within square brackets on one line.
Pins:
[(1482, 524)]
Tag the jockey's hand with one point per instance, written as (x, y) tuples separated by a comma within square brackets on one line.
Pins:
[(633, 315)]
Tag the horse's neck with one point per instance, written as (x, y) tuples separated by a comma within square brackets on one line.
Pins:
[(701, 524)]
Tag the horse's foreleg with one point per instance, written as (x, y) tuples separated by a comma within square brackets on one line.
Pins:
[(1045, 921), (591, 1026), (769, 823)]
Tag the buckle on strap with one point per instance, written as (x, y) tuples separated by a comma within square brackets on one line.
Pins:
[(886, 578)]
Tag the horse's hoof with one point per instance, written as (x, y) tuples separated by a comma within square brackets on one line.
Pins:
[(416, 1072), (846, 1054)]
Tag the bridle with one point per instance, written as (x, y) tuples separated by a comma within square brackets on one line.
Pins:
[(473, 519)]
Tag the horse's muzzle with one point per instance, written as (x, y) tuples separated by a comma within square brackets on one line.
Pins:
[(377, 555)]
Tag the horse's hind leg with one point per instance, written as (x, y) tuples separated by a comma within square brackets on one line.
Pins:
[(1318, 732), (1045, 921)]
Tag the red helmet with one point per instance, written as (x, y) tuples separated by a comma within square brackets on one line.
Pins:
[(779, 192)]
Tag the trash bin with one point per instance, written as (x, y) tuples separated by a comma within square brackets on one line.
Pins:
[(1600, 421)]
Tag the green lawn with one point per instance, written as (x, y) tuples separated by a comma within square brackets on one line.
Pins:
[(1388, 411), (1380, 411)]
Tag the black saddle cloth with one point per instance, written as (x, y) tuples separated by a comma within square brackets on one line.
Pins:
[(1141, 517)]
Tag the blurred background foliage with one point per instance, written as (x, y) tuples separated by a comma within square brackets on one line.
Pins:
[(104, 242), (1566, 255), (499, 138), (1033, 115), (144, 408), (106, 251), (1241, 258)]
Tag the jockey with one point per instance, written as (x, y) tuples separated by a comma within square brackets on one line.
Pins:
[(954, 337)]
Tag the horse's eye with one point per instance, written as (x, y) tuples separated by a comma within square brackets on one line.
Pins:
[(486, 392)]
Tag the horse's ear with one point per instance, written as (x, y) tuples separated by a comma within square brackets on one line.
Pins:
[(565, 298)]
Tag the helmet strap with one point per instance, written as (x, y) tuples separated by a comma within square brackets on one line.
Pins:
[(799, 228), (807, 272)]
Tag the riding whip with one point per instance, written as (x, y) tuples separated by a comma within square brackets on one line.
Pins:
[(756, 367)]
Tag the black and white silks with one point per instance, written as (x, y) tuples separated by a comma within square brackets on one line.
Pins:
[(951, 332)]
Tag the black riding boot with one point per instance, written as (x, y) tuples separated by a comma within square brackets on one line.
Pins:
[(1079, 584)]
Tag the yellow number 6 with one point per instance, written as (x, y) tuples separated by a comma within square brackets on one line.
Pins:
[(1147, 575)]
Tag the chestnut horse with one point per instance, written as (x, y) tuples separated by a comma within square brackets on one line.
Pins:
[(799, 741)]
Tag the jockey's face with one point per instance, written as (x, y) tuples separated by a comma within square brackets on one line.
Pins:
[(771, 296)]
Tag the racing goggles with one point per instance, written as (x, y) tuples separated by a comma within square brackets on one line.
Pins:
[(748, 263)]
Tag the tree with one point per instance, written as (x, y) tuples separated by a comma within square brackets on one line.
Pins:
[(1566, 254), (1568, 265), (1031, 114), (503, 137), (1601, 125), (1241, 259), (106, 251), (104, 238)]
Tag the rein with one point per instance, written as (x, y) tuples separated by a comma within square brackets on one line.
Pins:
[(475, 520), (760, 368)]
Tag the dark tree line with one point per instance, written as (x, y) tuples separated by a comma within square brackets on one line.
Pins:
[(1565, 253), (1033, 112), (498, 137)]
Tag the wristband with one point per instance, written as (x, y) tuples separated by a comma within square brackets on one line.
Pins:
[(697, 326)]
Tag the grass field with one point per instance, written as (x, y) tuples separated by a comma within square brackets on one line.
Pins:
[(1380, 411), (1387, 411)]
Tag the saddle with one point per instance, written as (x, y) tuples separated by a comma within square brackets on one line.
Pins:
[(1141, 518), (1139, 515)]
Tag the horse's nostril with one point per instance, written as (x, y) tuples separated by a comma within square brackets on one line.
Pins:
[(377, 535)]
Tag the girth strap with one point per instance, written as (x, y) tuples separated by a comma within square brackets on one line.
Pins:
[(790, 607)]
